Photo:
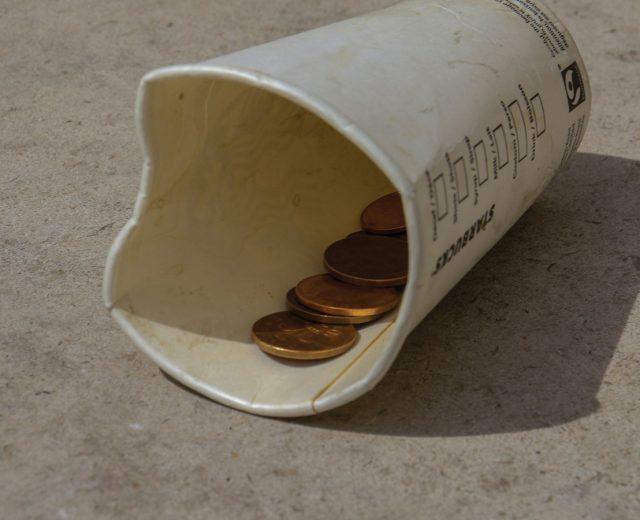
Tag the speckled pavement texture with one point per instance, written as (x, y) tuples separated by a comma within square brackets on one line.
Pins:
[(518, 397)]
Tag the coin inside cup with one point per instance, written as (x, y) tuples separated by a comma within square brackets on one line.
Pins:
[(399, 236), (328, 295), (286, 335), (298, 308), (384, 216), (368, 260)]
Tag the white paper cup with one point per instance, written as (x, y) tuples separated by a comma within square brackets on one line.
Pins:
[(255, 162)]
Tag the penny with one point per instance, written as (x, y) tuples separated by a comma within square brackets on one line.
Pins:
[(286, 335), (330, 296), (400, 236), (370, 260), (298, 308), (384, 216)]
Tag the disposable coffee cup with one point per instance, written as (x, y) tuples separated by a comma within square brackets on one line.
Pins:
[(256, 161)]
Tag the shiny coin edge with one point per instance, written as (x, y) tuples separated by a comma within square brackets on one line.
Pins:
[(341, 311), (300, 309), (366, 282)]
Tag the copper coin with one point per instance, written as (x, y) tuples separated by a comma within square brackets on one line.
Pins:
[(298, 308), (326, 294), (286, 335), (370, 260), (384, 216), (401, 236), (357, 234)]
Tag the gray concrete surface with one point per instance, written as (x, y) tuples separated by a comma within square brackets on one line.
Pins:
[(516, 398)]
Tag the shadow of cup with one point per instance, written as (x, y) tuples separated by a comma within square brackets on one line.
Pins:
[(524, 341)]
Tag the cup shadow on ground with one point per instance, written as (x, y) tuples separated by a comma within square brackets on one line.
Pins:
[(524, 340)]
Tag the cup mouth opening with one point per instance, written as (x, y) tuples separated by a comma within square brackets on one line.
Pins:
[(243, 191)]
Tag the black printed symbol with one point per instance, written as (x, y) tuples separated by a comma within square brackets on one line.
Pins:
[(573, 86)]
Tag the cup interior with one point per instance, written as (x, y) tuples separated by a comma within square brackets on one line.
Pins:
[(243, 191)]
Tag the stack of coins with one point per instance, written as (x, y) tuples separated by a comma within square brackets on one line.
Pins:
[(366, 272)]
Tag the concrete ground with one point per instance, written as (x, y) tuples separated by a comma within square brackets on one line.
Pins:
[(516, 398)]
